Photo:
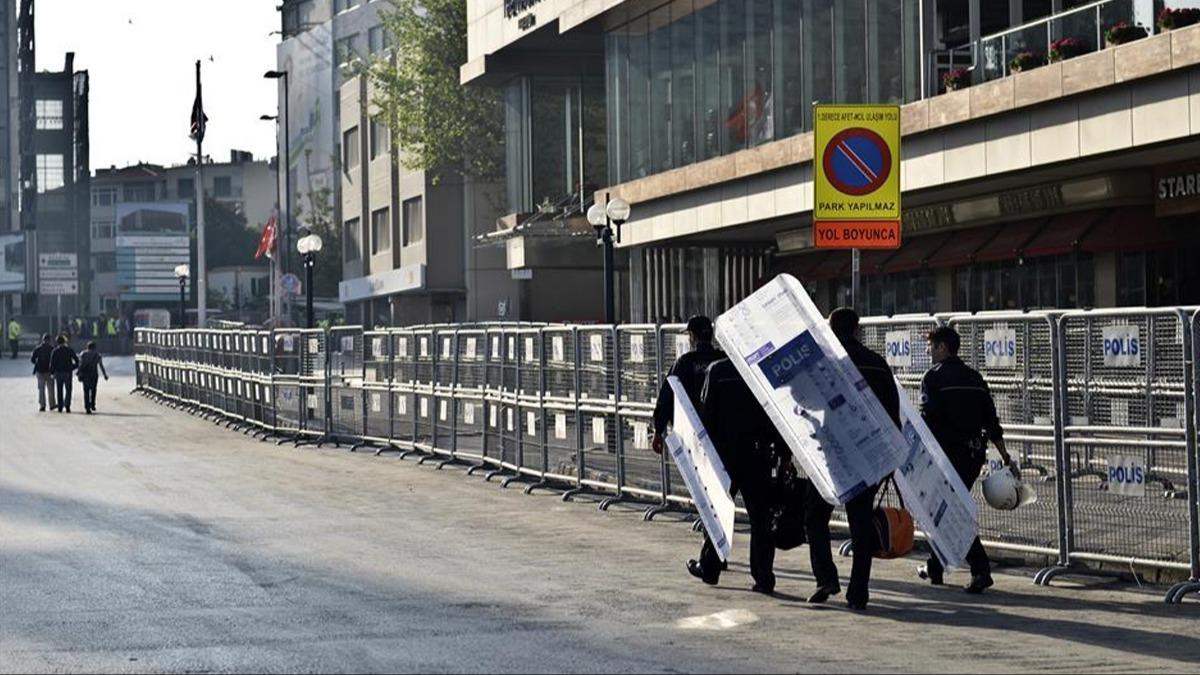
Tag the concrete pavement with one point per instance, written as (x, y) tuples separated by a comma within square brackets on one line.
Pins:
[(144, 539)]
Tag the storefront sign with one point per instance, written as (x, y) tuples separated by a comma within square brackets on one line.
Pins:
[(857, 177), (1177, 189)]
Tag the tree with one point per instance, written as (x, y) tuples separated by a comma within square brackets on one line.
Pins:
[(317, 218), (228, 240), (436, 123)]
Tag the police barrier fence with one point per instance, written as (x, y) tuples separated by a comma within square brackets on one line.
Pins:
[(1099, 407)]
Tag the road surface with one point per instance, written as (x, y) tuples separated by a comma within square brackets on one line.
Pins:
[(145, 539)]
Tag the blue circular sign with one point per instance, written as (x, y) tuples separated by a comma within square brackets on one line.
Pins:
[(857, 161)]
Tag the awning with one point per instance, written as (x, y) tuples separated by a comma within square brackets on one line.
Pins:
[(1063, 233), (1128, 228), (873, 261), (1007, 243), (822, 266), (914, 252), (962, 246)]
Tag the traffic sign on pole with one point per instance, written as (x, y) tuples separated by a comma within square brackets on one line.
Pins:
[(857, 176)]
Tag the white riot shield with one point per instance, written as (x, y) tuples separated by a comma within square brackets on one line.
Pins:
[(938, 500), (837, 430), (702, 470)]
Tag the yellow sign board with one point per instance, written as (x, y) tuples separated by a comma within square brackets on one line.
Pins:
[(857, 163)]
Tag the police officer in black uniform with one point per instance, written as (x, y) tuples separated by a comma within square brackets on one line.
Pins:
[(859, 510), (957, 405), (748, 445), (690, 369)]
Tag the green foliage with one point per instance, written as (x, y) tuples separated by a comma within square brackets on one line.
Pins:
[(437, 123), (228, 240), (317, 218)]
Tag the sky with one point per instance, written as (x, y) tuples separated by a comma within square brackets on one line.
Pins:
[(141, 55)]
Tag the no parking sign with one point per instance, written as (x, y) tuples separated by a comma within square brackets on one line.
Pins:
[(857, 176)]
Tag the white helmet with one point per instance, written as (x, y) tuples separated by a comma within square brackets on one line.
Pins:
[(1003, 491)]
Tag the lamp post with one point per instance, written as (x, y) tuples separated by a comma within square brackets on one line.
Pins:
[(275, 271), (602, 219), (308, 247), (285, 165), (182, 272)]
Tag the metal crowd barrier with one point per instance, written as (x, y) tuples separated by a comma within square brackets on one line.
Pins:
[(1088, 399)]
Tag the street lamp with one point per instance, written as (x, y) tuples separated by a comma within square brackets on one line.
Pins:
[(309, 246), (285, 165), (602, 218), (182, 272)]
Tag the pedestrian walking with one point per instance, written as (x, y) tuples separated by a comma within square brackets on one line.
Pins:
[(14, 335), (91, 366), (747, 443), (690, 368), (42, 370), (859, 510), (63, 362), (958, 407)]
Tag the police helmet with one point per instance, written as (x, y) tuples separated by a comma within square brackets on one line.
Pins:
[(1003, 491)]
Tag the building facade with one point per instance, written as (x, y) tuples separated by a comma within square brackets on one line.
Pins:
[(245, 185), (1045, 177)]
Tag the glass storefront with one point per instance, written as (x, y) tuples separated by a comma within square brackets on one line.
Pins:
[(695, 79), (1049, 282)]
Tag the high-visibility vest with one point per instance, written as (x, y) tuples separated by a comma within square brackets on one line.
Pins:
[(112, 327), (95, 329), (14, 330)]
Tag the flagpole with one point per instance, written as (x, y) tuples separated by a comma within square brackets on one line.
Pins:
[(201, 276)]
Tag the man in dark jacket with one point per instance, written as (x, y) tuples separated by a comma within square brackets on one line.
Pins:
[(63, 361), (958, 407), (91, 366), (690, 369), (747, 443), (860, 509), (44, 373)]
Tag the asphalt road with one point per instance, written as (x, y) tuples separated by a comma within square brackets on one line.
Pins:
[(145, 539)]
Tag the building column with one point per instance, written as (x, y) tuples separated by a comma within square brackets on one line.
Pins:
[(1104, 268), (944, 290)]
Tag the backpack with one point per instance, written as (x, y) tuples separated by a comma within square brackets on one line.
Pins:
[(894, 528)]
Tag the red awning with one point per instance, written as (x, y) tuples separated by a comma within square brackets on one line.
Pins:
[(1009, 240), (914, 252), (1127, 228), (962, 246), (1063, 233), (821, 266), (874, 261)]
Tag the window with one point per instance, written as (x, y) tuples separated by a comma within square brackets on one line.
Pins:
[(139, 192), (104, 196), (104, 262), (222, 186), (381, 231), (352, 240), (49, 172), (340, 6), (345, 50), (102, 229), (380, 139), (185, 188), (49, 114), (350, 149), (376, 39), (414, 221)]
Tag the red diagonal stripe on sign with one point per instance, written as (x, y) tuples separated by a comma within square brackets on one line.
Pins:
[(857, 161)]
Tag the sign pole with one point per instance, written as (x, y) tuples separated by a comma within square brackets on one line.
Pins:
[(855, 276), (58, 302)]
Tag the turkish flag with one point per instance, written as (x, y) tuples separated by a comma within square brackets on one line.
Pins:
[(266, 243)]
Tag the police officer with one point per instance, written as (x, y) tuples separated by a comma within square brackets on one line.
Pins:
[(859, 510), (14, 335), (957, 405), (747, 443), (690, 369)]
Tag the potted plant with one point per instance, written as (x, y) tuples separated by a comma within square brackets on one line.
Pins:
[(1121, 32), (1066, 48), (1025, 60), (1169, 19), (956, 78)]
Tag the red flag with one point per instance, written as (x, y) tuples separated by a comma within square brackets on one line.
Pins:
[(266, 243)]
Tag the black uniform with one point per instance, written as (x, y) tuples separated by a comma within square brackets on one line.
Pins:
[(63, 361), (746, 441), (860, 509), (690, 369), (957, 405), (91, 364)]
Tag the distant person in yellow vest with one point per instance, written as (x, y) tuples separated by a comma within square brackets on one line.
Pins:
[(112, 327), (14, 336)]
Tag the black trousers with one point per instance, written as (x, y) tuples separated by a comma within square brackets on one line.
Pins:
[(859, 513), (12, 345), (62, 387), (89, 391), (753, 480), (968, 464)]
